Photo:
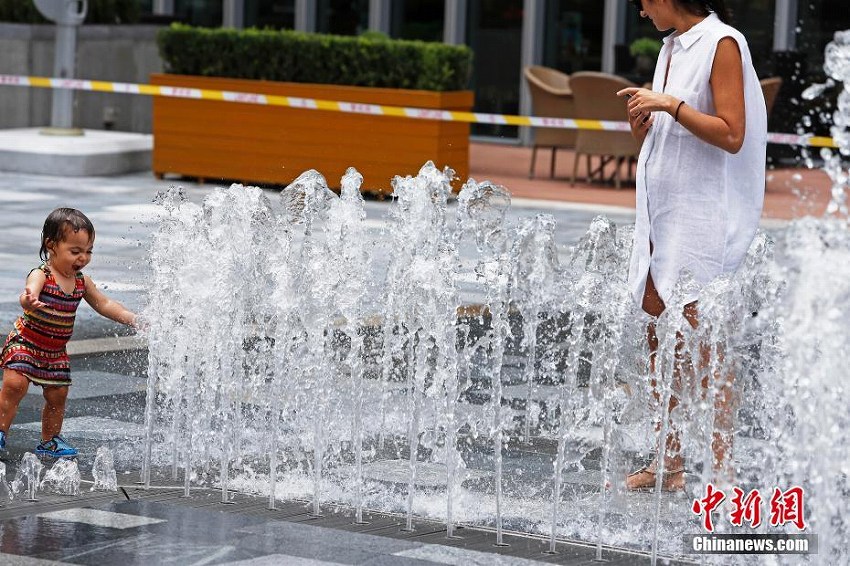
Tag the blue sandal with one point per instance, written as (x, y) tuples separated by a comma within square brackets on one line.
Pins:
[(56, 447)]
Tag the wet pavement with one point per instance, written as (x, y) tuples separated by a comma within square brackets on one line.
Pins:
[(106, 406), (161, 526)]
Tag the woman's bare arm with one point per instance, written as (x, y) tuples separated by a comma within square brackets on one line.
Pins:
[(727, 127)]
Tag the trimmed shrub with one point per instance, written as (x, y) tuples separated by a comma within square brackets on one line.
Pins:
[(647, 46), (292, 56)]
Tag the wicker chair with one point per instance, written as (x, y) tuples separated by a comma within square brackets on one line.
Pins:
[(770, 88), (596, 98), (550, 96)]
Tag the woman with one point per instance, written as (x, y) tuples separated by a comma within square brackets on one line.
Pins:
[(700, 176)]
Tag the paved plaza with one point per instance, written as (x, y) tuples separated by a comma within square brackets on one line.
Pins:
[(107, 404), (110, 369)]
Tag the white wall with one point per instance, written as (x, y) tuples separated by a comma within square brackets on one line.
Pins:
[(109, 53)]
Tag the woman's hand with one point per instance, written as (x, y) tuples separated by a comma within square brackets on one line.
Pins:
[(644, 101), (640, 119)]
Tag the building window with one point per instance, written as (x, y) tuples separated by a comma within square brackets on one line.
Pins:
[(204, 13), (145, 7), (275, 14), (754, 18), (573, 35), (417, 19), (818, 21), (494, 32), (342, 17), (636, 27)]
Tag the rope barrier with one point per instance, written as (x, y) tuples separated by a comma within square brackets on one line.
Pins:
[(361, 108)]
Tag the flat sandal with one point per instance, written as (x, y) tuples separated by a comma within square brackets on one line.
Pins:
[(665, 486)]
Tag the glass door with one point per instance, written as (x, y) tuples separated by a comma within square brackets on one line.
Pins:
[(494, 32), (417, 19), (203, 13), (573, 35), (342, 17), (275, 14)]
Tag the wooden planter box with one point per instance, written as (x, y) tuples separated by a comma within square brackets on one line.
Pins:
[(251, 143)]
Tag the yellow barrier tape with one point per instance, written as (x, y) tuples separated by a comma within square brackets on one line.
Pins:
[(821, 141), (360, 108)]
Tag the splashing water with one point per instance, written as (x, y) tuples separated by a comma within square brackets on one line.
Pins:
[(417, 401), (837, 66), (63, 478), (28, 476), (103, 471), (514, 390), (4, 485)]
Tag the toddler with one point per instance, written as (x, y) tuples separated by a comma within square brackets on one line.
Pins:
[(34, 351)]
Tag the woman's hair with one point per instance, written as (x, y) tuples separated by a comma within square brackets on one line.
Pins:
[(57, 225), (701, 7)]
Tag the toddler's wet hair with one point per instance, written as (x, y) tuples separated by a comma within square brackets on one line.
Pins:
[(57, 225)]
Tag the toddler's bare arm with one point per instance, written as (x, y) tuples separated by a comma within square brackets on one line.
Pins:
[(32, 289), (107, 307)]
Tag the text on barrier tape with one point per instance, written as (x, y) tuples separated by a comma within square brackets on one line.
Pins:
[(360, 108)]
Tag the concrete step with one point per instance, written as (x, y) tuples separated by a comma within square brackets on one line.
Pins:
[(95, 153)]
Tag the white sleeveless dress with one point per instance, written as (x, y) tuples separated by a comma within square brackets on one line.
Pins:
[(698, 204)]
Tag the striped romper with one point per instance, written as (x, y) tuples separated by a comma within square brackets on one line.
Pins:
[(36, 347)]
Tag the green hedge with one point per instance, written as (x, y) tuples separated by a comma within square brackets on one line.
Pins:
[(99, 12), (292, 56)]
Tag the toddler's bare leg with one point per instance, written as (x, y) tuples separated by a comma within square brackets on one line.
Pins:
[(14, 388), (54, 410)]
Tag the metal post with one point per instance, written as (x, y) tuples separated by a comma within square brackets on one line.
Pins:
[(163, 7), (532, 54), (785, 26), (67, 14), (305, 15), (379, 16), (613, 31), (233, 14), (454, 26), (62, 111)]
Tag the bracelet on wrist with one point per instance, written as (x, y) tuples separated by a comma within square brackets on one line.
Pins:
[(679, 107)]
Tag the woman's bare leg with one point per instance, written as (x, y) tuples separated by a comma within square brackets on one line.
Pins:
[(654, 306), (724, 413), (14, 388), (724, 431)]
